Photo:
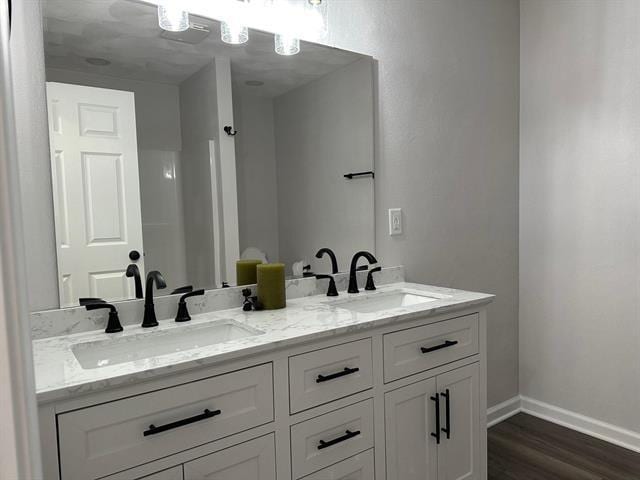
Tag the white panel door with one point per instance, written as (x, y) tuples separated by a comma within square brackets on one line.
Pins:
[(253, 460), (459, 451), (410, 420), (94, 165)]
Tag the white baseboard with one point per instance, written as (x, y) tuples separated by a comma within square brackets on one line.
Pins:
[(590, 426), (502, 411)]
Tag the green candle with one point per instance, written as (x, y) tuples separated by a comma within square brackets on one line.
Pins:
[(271, 291), (246, 273)]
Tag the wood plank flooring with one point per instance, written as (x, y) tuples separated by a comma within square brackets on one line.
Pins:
[(527, 448)]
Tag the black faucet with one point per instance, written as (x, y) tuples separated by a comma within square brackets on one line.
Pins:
[(370, 285), (149, 310), (183, 313), (353, 278), (113, 325), (332, 256), (133, 271), (332, 291)]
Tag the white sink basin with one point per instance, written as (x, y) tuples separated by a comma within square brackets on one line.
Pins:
[(152, 344), (382, 301)]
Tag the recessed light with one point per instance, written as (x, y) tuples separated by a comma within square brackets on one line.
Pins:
[(254, 83), (100, 62), (315, 3)]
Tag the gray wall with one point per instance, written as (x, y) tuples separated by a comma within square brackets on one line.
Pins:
[(256, 173), (580, 192), (447, 151), (323, 130), (448, 148), (199, 120)]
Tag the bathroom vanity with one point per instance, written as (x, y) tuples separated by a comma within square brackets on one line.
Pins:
[(386, 384)]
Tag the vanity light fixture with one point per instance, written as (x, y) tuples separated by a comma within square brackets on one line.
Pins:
[(172, 17), (234, 33), (286, 44)]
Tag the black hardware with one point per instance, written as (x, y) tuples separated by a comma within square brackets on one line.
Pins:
[(332, 291), (306, 271), (347, 435), (149, 319), (351, 176), (332, 256), (225, 285), (446, 344), (257, 305), (113, 324), (181, 423), (230, 131), (134, 255), (447, 414), (247, 306), (346, 371), (134, 271), (436, 435), (353, 279), (89, 300), (183, 313), (370, 285), (181, 290)]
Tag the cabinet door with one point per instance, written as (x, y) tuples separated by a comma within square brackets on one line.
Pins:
[(252, 460), (410, 420), (459, 450)]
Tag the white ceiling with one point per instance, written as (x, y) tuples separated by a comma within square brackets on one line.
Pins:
[(126, 33)]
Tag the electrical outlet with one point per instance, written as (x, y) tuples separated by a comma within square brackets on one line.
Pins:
[(395, 221)]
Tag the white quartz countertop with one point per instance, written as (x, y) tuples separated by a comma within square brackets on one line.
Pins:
[(59, 375)]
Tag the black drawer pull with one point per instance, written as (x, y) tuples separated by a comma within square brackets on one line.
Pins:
[(181, 423), (447, 414), (346, 371), (446, 344), (436, 435), (347, 435)]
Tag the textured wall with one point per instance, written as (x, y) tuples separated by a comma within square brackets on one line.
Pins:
[(448, 148), (580, 198)]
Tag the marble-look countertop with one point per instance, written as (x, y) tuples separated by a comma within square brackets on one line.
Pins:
[(59, 375)]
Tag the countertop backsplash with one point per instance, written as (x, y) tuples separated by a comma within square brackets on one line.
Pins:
[(53, 323)]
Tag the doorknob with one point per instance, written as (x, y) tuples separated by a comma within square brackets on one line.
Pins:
[(134, 255)]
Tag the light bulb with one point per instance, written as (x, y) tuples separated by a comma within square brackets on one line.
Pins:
[(171, 17), (234, 33), (286, 44)]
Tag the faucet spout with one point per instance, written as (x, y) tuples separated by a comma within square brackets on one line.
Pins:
[(353, 278), (134, 271), (150, 319)]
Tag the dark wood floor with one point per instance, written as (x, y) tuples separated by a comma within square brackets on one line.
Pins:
[(527, 448)]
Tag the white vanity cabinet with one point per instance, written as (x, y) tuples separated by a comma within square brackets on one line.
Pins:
[(362, 405)]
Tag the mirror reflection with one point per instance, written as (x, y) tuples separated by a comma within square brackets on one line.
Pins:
[(179, 153)]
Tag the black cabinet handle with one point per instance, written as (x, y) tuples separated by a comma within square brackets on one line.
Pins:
[(447, 414), (347, 435), (436, 435), (446, 344), (181, 423), (346, 371)]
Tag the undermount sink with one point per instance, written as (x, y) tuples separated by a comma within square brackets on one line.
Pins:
[(142, 346), (378, 302)]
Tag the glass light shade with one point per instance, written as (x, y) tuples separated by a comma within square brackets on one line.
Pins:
[(234, 33), (287, 45), (172, 18)]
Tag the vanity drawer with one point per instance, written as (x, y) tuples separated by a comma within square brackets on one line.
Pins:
[(107, 438), (421, 348), (358, 467), (331, 438), (324, 375)]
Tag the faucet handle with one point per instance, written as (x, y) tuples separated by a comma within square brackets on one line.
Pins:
[(370, 285), (332, 291), (89, 300), (185, 289), (113, 325), (183, 313)]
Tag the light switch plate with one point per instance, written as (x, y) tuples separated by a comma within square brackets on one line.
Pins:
[(395, 221)]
